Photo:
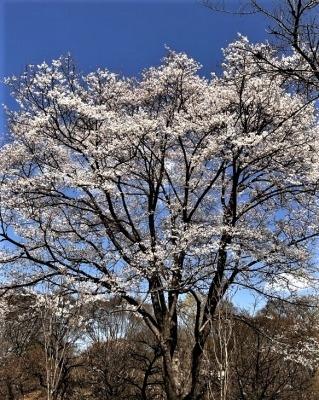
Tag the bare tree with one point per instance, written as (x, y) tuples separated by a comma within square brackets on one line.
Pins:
[(293, 31), (60, 318)]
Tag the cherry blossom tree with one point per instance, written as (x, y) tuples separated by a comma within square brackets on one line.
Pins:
[(155, 188)]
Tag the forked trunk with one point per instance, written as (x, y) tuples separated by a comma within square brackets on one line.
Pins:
[(175, 390)]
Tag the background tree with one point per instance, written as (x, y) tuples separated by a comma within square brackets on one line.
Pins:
[(270, 355), (60, 319), (293, 33), (19, 344), (121, 358)]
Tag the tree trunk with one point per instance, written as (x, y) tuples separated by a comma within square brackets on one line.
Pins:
[(170, 378)]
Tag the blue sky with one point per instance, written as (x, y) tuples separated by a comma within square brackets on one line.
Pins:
[(123, 36)]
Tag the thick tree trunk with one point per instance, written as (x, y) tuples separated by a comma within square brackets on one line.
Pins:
[(173, 387), (170, 379), (170, 376)]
